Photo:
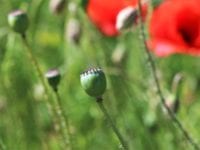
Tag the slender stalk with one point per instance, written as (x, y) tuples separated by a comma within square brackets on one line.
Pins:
[(35, 62), (39, 71), (64, 122), (115, 129), (157, 83), (54, 110)]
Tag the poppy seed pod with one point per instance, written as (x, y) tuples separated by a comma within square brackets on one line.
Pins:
[(93, 82), (53, 76), (126, 17), (18, 21)]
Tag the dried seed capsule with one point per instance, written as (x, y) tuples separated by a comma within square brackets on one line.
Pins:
[(53, 76), (125, 18), (93, 82), (18, 21)]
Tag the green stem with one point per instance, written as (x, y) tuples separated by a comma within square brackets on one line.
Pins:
[(39, 71), (64, 122), (157, 83), (35, 63), (53, 111), (115, 129)]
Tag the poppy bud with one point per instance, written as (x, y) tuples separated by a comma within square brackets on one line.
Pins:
[(125, 18), (73, 31), (18, 21), (53, 76), (93, 82), (57, 6), (172, 103)]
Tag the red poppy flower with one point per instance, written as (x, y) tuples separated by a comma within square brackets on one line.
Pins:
[(103, 13), (175, 28)]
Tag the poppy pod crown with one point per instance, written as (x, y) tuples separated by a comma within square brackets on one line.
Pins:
[(93, 82)]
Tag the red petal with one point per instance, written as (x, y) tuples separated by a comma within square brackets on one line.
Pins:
[(175, 28), (103, 13)]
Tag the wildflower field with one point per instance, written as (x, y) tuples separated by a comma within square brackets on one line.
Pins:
[(99, 75)]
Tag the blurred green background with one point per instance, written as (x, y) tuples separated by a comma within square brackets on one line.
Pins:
[(131, 99)]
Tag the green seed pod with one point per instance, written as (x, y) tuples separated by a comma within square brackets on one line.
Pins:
[(93, 82), (53, 76), (18, 21)]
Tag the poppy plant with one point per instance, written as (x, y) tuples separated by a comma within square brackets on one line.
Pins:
[(175, 28), (103, 13)]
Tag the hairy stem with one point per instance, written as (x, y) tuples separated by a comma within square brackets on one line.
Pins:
[(35, 63), (115, 129), (39, 72), (157, 83), (64, 122), (53, 110)]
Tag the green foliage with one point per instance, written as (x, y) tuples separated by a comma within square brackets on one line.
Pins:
[(83, 3)]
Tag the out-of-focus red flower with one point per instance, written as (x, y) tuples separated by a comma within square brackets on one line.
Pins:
[(103, 13), (175, 28)]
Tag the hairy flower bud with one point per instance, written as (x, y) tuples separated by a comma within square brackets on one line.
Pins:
[(172, 103), (18, 21), (125, 18), (53, 76)]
